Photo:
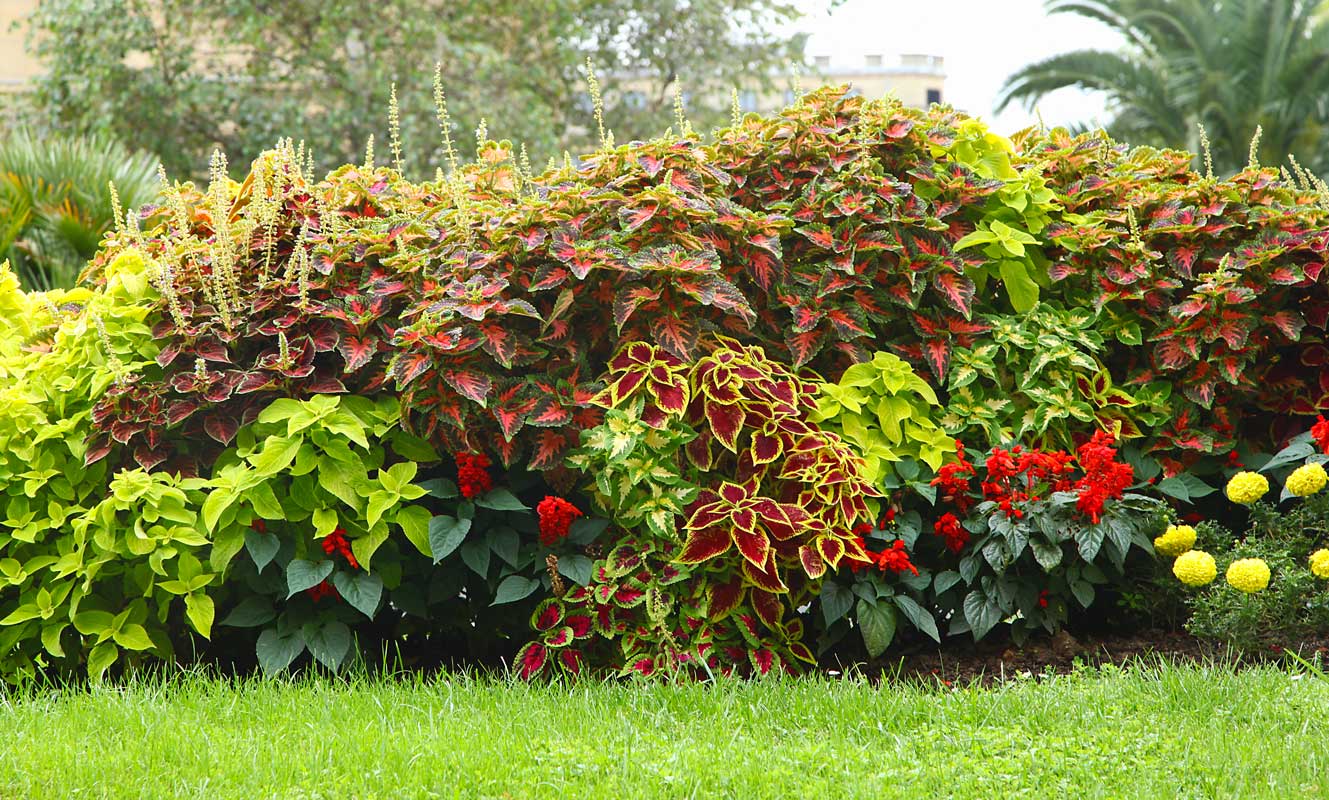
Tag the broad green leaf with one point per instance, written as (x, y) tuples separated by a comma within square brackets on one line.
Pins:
[(302, 575), (414, 522), (252, 612), (514, 588), (877, 623), (505, 543), (200, 611), (262, 547), (981, 614), (330, 643), (361, 589), (277, 454), (921, 617), (576, 568), (446, 534), (364, 547), (475, 554), (275, 653), (133, 637), (225, 545), (835, 601), (100, 659), (501, 500)]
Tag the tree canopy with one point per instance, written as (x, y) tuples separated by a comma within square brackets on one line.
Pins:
[(180, 77), (1229, 65)]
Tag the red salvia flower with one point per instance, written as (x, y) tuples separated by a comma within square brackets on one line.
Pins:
[(1320, 433), (322, 590), (949, 528), (259, 525), (556, 516), (894, 559), (473, 479), (1043, 599), (336, 542)]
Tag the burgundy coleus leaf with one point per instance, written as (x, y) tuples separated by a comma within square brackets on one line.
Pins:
[(642, 665), (531, 660), (812, 562), (357, 351), (726, 423), (181, 410), (832, 549), (560, 637), (629, 596), (221, 426), (766, 576), (703, 545), (408, 366), (672, 397), (474, 386), (547, 616), (149, 457), (498, 340), (1289, 323), (581, 624), (763, 660), (168, 354), (957, 290), (753, 545), (210, 349), (803, 347), (723, 598), (675, 334), (769, 608), (324, 384), (571, 661)]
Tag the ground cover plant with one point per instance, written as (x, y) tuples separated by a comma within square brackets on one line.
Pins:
[(847, 376)]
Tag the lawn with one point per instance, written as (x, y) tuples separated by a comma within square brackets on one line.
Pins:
[(1155, 731)]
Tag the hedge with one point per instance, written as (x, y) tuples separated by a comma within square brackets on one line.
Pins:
[(681, 407)]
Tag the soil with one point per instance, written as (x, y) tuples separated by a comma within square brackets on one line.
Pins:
[(990, 663)]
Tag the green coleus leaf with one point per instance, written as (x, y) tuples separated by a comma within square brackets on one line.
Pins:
[(277, 454)]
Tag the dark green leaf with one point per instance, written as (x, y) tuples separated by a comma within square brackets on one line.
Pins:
[(252, 612), (446, 534), (502, 500), (275, 653), (576, 568), (301, 574), (475, 554), (361, 589), (262, 547), (330, 643), (922, 619), (835, 601), (877, 622), (514, 588)]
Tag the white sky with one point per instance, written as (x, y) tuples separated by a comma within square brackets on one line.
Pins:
[(983, 41)]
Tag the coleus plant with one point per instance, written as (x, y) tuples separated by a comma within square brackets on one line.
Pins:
[(746, 505)]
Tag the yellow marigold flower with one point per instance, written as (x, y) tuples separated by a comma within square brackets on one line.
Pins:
[(1175, 541), (1195, 568), (1307, 480), (1320, 564), (1250, 575), (1247, 487)]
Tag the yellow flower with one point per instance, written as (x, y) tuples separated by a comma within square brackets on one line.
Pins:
[(1195, 568), (1320, 563), (1247, 487), (1307, 480), (1250, 575), (1175, 541)]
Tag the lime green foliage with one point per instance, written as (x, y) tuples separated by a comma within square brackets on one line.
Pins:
[(1012, 217), (1139, 732), (63, 541), (1037, 378), (887, 413)]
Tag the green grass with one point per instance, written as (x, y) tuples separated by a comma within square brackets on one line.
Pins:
[(1150, 732)]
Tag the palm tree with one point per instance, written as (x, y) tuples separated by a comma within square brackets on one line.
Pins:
[(1229, 65), (55, 202)]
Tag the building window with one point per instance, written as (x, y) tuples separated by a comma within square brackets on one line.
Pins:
[(747, 100), (874, 61), (934, 96)]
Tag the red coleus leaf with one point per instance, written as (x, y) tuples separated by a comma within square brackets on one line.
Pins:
[(357, 351), (549, 614), (676, 335), (723, 598), (548, 450), (571, 661), (705, 544), (410, 366), (471, 385), (629, 298), (642, 665), (763, 660), (832, 550), (221, 426), (766, 576), (753, 545), (581, 625), (531, 660), (955, 289), (726, 421), (561, 637)]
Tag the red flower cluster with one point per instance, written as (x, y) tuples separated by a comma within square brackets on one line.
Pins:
[(1320, 433), (893, 559), (950, 529), (556, 516), (952, 480), (1043, 599), (336, 542), (259, 526), (1104, 477), (322, 590), (1016, 476), (472, 478)]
